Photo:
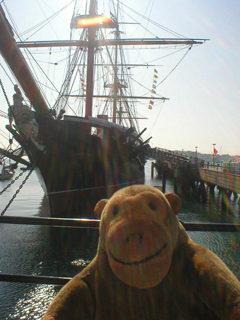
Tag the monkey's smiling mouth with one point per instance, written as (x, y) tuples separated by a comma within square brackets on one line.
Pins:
[(141, 261)]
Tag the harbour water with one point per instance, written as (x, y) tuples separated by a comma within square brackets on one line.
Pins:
[(42, 250)]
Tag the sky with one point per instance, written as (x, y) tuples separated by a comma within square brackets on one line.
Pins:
[(204, 90)]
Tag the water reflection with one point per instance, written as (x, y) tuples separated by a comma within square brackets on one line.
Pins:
[(34, 302), (39, 250), (226, 245)]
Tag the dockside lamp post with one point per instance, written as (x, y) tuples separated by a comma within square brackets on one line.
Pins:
[(213, 152), (196, 154)]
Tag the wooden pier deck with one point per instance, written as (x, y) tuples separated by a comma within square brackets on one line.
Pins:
[(193, 175), (221, 177)]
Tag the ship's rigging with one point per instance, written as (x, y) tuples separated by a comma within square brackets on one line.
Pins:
[(115, 81), (89, 154)]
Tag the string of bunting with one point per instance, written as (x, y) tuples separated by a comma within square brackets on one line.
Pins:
[(83, 85), (153, 91)]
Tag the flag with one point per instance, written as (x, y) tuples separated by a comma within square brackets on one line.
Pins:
[(154, 81), (155, 70), (154, 86), (153, 91), (151, 102), (215, 151), (155, 76), (150, 107)]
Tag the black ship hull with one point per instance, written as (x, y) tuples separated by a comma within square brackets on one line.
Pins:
[(80, 162)]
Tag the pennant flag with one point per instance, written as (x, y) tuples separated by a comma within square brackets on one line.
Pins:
[(155, 76), (215, 151), (83, 85)]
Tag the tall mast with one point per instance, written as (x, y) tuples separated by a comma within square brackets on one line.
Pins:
[(115, 83), (90, 61)]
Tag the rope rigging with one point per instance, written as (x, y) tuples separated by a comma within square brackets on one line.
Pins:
[(18, 190), (174, 67), (4, 92), (153, 22), (68, 84), (42, 24)]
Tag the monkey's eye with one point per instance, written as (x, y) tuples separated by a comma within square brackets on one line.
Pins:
[(152, 206), (115, 210)]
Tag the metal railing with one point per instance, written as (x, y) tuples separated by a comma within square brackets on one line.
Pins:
[(88, 224), (94, 223)]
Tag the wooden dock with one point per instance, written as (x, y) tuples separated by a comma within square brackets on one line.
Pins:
[(217, 177), (196, 177)]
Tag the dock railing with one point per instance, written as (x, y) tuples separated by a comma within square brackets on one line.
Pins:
[(227, 167), (224, 176)]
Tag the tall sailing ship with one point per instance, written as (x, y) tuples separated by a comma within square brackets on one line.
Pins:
[(85, 156)]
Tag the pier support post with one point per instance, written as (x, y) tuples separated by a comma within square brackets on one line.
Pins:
[(226, 201), (164, 179), (175, 185), (235, 197), (211, 194), (159, 167), (152, 169), (175, 180), (202, 192)]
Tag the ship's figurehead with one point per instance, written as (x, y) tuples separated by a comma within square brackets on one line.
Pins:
[(23, 116), (147, 267)]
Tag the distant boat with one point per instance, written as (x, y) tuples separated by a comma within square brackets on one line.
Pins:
[(83, 157), (6, 172)]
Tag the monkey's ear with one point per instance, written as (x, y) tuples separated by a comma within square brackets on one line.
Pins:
[(174, 201), (99, 208)]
